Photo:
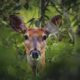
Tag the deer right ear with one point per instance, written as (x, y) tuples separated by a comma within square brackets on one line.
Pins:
[(53, 24), (17, 24)]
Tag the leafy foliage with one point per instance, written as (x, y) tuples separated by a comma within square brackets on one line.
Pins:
[(62, 58)]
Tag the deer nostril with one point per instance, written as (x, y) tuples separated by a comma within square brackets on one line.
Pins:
[(35, 54)]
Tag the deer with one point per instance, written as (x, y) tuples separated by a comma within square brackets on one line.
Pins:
[(34, 39)]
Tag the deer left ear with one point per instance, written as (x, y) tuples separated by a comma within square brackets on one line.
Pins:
[(17, 24)]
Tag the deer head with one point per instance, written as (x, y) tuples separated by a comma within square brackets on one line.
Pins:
[(35, 40)]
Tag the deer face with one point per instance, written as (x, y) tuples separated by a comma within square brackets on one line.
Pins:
[(35, 42)]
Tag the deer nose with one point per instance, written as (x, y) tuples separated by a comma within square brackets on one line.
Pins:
[(35, 54)]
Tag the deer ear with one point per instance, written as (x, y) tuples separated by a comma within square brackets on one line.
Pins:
[(53, 24), (51, 28), (17, 24)]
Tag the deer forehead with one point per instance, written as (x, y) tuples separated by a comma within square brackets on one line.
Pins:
[(35, 32)]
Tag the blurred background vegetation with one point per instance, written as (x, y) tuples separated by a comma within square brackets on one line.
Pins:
[(62, 57)]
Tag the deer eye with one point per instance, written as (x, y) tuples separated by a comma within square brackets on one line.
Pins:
[(44, 37), (26, 37)]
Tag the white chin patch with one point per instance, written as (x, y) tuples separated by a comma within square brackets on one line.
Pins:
[(31, 60), (37, 59)]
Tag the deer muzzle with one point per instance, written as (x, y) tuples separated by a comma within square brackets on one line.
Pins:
[(35, 54)]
